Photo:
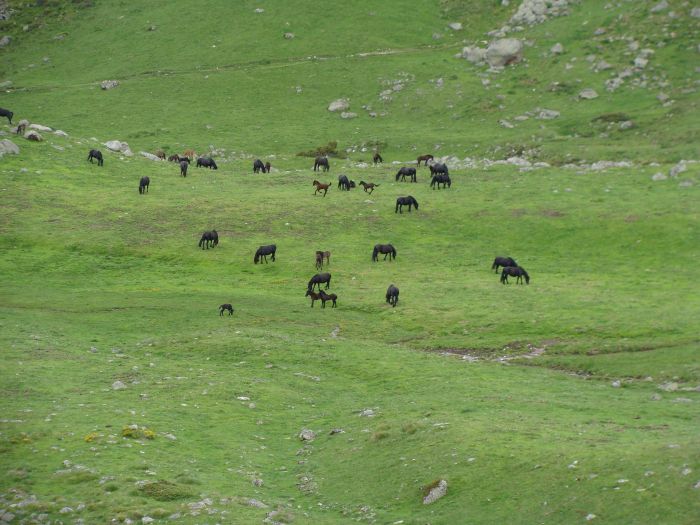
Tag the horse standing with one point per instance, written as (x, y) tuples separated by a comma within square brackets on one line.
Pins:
[(377, 158), (425, 158), (7, 113), (225, 307), (190, 154), (392, 295), (160, 154), (176, 158), (143, 185), (22, 126), (259, 166), (321, 162), (264, 251), (386, 249), (405, 201), (368, 186), (327, 297), (314, 296), (207, 162), (441, 179), (406, 172), (97, 155), (184, 164), (514, 271), (209, 239), (320, 186), (320, 255), (439, 168), (344, 183), (504, 262), (319, 279)]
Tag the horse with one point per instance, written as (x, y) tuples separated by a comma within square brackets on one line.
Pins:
[(327, 297), (392, 295), (439, 168), (377, 159), (406, 172), (207, 162), (321, 162), (225, 307), (184, 164), (176, 158), (344, 183), (143, 185), (264, 251), (425, 158), (503, 261), (97, 155), (7, 113), (22, 126), (405, 201), (514, 271), (209, 239), (267, 167), (314, 296), (259, 166), (160, 154), (318, 279), (320, 186), (319, 258), (368, 186), (441, 179), (386, 249), (190, 154)]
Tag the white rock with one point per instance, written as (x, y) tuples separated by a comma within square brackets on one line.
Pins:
[(455, 26), (588, 94), (616, 384), (641, 62), (436, 493), (547, 114), (8, 147), (5, 41), (118, 385), (60, 133), (504, 51), (626, 124), (109, 84), (259, 10), (367, 412), (149, 156), (348, 115), (339, 105), (677, 169), (557, 49), (65, 510), (590, 517), (307, 435), (118, 146), (33, 135), (658, 176), (146, 520), (505, 124), (39, 127), (289, 36), (695, 12), (659, 7), (474, 54), (256, 503)]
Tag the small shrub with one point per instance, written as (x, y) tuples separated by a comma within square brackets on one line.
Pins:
[(136, 432), (330, 149), (163, 490), (92, 436)]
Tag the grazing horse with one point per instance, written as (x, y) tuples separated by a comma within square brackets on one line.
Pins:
[(225, 307), (320, 186), (209, 239), (392, 295), (406, 172), (425, 158), (143, 185), (318, 279), (441, 178), (377, 158), (259, 166), (97, 155), (6, 113), (190, 154), (368, 186), (321, 162), (386, 249), (327, 297), (405, 201), (503, 261), (439, 168), (207, 162), (314, 296), (176, 158), (160, 154), (514, 271), (344, 183), (264, 251), (22, 126), (320, 255), (184, 164)]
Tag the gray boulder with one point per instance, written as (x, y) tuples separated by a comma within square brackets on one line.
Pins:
[(547, 114), (341, 104), (149, 156), (475, 55), (119, 147), (5, 41), (7, 147), (504, 51), (588, 94), (307, 435), (33, 135), (436, 492), (39, 127), (695, 12), (659, 7), (109, 84), (557, 49), (348, 115), (455, 26)]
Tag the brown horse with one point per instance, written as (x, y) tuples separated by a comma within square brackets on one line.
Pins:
[(368, 186), (377, 158), (314, 296), (190, 154), (174, 158), (319, 258), (160, 154), (320, 186), (425, 158)]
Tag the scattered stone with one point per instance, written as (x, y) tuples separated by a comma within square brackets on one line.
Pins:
[(39, 127), (5, 41), (336, 431), (590, 517), (599, 31), (626, 124), (436, 492), (119, 147), (505, 124), (682, 400), (169, 436), (685, 184), (686, 471), (602, 66), (504, 52), (289, 36), (118, 385), (695, 12), (547, 114), (256, 503), (33, 135), (348, 115), (257, 482), (455, 26), (60, 133), (146, 520), (335, 331), (259, 10), (109, 84), (339, 105), (677, 169), (150, 156), (588, 94), (65, 510), (557, 49), (658, 176), (367, 412), (616, 384), (307, 435), (8, 147), (659, 7), (641, 62), (474, 54)]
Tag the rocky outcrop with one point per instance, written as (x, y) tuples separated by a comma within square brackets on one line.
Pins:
[(499, 53), (7, 147), (436, 492), (119, 147), (150, 156)]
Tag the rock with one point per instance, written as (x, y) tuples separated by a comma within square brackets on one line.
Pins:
[(599, 31), (626, 124), (256, 503), (685, 184), (150, 156), (659, 7), (152, 28), (669, 387), (109, 84), (7, 517), (336, 431), (505, 124), (339, 105), (5, 41), (39, 127), (367, 412), (588, 94), (695, 12), (118, 385), (616, 384), (547, 114), (658, 176), (641, 62), (504, 52), (8, 147), (169, 436), (348, 115), (119, 147), (436, 492), (146, 520), (590, 517), (662, 97), (307, 435), (259, 10), (60, 133), (602, 66), (557, 49), (455, 26), (33, 135), (677, 169), (289, 36), (656, 397), (65, 510), (474, 54)]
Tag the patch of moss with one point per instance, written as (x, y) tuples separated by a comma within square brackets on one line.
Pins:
[(163, 490)]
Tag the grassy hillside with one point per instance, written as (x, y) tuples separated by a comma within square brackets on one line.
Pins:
[(574, 398)]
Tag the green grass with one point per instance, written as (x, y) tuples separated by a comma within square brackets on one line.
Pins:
[(101, 284)]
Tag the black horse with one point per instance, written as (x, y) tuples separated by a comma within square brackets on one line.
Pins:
[(318, 279), (327, 297), (225, 307), (97, 155), (143, 185), (321, 162), (344, 183), (377, 158), (441, 178), (406, 172), (7, 113), (207, 162), (184, 164), (209, 239), (386, 249), (264, 251), (439, 168), (392, 295), (503, 261), (514, 271), (258, 166), (405, 201)]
